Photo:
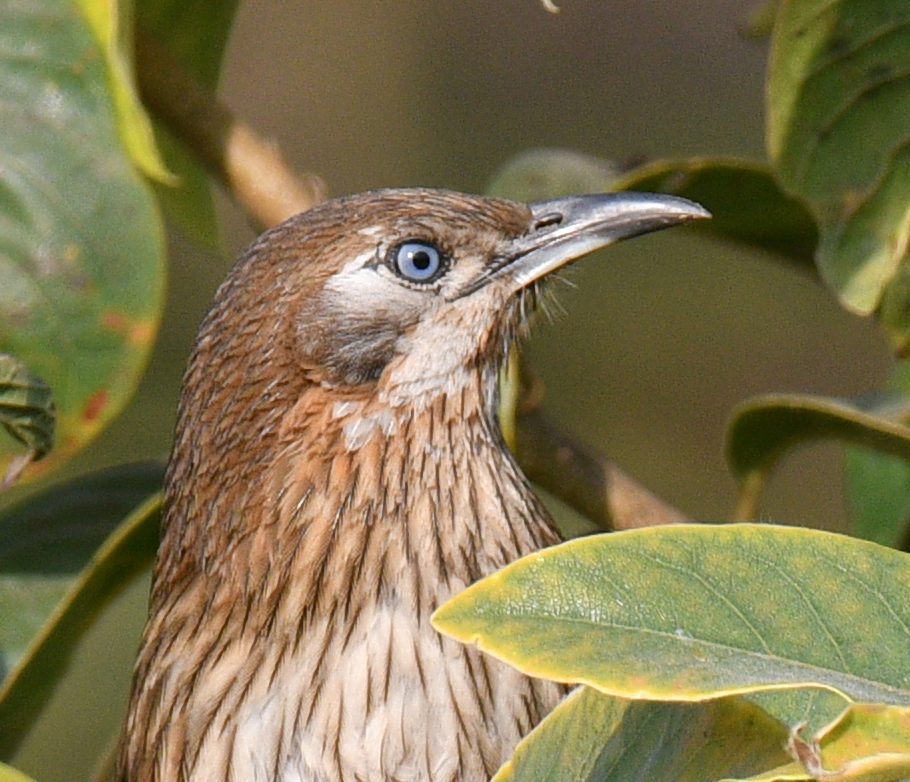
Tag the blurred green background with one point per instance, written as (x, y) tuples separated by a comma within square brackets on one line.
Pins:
[(658, 338)]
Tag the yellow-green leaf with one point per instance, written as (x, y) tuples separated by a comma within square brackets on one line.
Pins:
[(111, 22), (591, 737), (867, 742), (789, 772), (759, 23), (10, 774), (567, 745), (509, 390), (690, 612)]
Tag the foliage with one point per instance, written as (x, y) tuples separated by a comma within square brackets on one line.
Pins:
[(74, 207), (702, 650)]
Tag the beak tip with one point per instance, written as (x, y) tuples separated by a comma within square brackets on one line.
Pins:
[(698, 212), (566, 228), (674, 209)]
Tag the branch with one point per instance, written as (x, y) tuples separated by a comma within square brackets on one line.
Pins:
[(586, 480), (263, 184), (251, 168)]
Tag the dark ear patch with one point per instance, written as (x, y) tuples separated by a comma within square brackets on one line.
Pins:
[(360, 354), (338, 348)]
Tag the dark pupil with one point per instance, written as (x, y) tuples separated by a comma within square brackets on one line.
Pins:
[(421, 260)]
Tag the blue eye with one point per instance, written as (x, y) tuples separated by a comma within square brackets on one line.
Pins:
[(417, 261)]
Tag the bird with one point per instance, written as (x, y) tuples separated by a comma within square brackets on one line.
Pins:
[(337, 473)]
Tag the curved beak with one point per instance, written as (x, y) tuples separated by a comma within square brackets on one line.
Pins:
[(564, 229)]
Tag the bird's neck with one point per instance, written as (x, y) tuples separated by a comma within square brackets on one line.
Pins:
[(360, 500), (314, 573)]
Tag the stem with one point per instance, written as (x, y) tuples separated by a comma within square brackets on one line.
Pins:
[(251, 168), (748, 496), (586, 480)]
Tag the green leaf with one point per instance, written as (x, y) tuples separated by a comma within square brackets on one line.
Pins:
[(81, 244), (188, 203), (27, 413), (56, 531), (591, 737), (125, 554), (47, 539), (746, 204), (111, 23), (26, 601), (878, 496), (878, 486), (690, 612), (10, 774), (838, 104), (763, 429), (537, 174), (196, 32)]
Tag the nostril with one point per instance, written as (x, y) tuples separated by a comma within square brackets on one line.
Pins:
[(553, 218)]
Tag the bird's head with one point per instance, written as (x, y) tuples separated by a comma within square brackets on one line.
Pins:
[(375, 312), (413, 289)]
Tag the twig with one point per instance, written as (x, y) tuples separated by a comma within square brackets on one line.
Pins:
[(585, 480), (267, 189), (252, 169)]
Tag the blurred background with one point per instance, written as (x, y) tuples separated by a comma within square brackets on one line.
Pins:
[(658, 338)]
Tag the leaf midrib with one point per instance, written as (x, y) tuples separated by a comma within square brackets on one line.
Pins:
[(902, 695)]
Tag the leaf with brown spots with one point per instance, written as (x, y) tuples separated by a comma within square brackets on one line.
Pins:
[(81, 244)]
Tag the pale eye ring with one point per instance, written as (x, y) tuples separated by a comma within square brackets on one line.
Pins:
[(417, 261)]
